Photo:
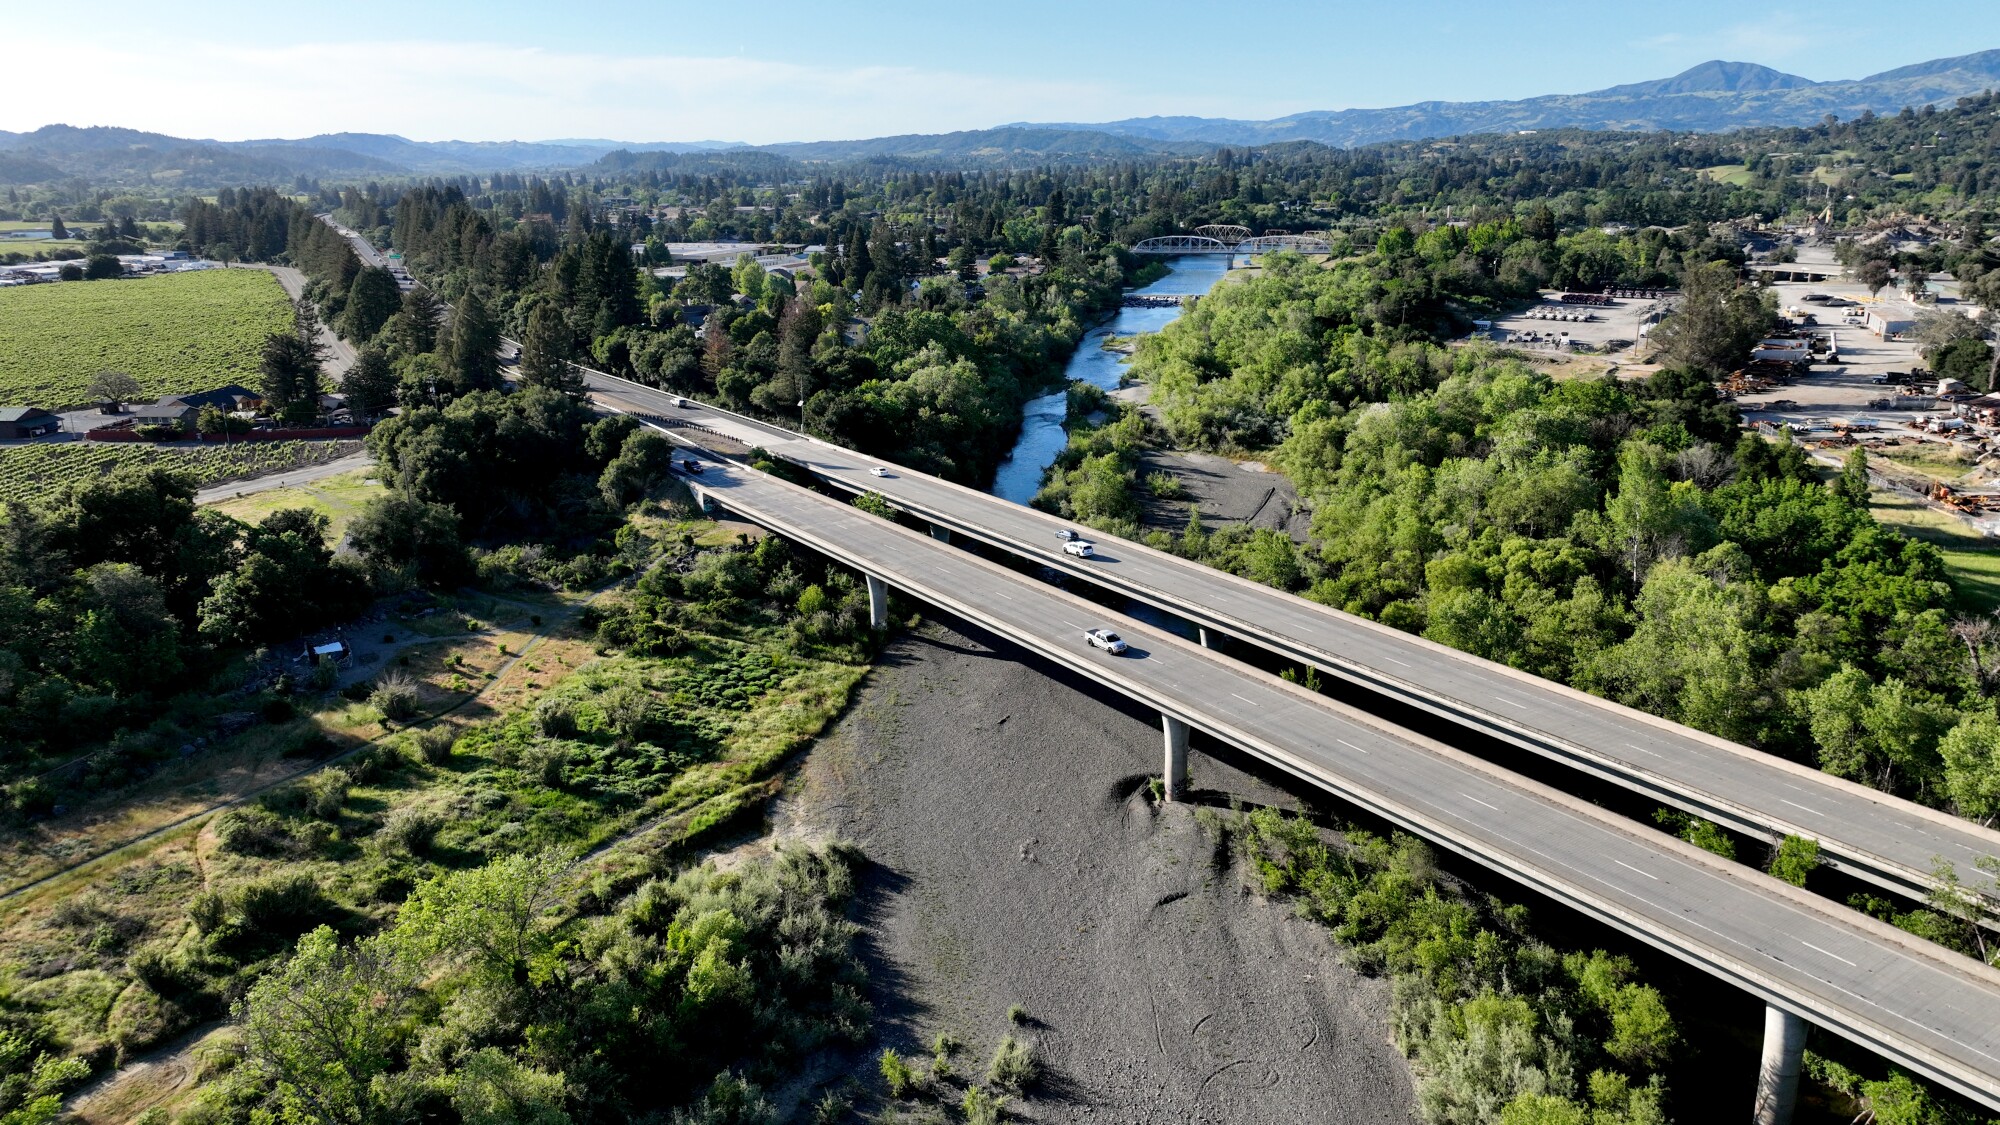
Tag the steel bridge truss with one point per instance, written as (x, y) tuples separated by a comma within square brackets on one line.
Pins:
[(1261, 244)]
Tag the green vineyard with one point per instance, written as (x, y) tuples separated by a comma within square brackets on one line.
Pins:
[(39, 470)]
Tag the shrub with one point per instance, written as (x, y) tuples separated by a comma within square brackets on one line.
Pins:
[(555, 717), (982, 1108), (897, 1073), (368, 764), (277, 711), (395, 695), (254, 832), (323, 676), (546, 763), (288, 904), (411, 830), (1014, 1065), (207, 910), (325, 794), (433, 744)]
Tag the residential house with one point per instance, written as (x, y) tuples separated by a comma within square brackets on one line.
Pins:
[(183, 410)]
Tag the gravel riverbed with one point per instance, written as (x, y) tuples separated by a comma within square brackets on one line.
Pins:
[(1016, 858)]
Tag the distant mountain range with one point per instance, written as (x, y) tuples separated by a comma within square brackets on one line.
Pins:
[(1712, 97)]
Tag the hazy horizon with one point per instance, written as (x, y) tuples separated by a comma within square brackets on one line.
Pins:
[(624, 71)]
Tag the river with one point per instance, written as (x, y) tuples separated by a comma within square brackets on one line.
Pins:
[(1042, 433)]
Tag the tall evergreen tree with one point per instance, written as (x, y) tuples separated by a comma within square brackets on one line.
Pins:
[(370, 385), (545, 353), (290, 375), (474, 358), (417, 327), (371, 300)]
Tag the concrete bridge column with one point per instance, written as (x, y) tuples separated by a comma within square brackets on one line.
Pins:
[(1778, 1077), (703, 503), (1208, 639), (878, 602), (1176, 766), (941, 534)]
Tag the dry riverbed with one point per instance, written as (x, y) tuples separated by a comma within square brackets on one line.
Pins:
[(1017, 859)]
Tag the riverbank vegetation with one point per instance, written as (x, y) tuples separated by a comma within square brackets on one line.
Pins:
[(1620, 536), (1498, 1024)]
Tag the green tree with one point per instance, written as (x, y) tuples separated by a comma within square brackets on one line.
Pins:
[(1971, 758), (323, 1028), (1715, 324), (473, 361), (415, 330), (287, 583), (500, 922), (1875, 274), (1852, 483), (372, 298), (396, 532), (1795, 858), (370, 385), (101, 267), (545, 353), (32, 1081), (114, 389), (641, 465), (290, 372)]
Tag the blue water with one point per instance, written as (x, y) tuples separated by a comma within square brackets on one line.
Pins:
[(1042, 433)]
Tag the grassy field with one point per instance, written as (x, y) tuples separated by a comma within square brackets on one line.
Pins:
[(1728, 174), (176, 333), (34, 470), (339, 498), (1972, 559)]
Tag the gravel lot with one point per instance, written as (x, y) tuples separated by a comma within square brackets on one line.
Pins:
[(1018, 860)]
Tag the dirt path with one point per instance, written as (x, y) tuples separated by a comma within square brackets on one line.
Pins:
[(290, 478), (1018, 859)]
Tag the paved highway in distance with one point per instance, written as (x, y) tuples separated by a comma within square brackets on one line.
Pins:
[(1885, 839), (1921, 1006)]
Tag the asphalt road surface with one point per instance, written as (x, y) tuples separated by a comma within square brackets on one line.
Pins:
[(1919, 1004), (1857, 827)]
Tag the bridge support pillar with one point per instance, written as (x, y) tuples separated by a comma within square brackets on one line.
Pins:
[(703, 503), (1778, 1077), (941, 534), (1208, 639), (878, 602), (1176, 764)]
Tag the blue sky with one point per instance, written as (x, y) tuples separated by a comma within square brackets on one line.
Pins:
[(777, 70)]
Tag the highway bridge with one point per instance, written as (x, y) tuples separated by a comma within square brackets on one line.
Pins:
[(1916, 1004), (1810, 960), (1890, 842)]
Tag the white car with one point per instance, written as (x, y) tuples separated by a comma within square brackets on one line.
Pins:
[(679, 401), (1081, 548), (877, 471), (1106, 640)]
